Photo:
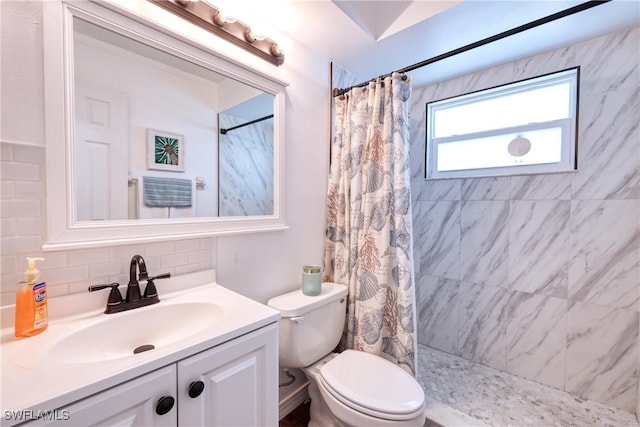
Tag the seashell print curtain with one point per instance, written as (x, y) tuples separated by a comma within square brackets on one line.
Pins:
[(368, 233)]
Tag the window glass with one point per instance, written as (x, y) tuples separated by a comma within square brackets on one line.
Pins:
[(512, 129)]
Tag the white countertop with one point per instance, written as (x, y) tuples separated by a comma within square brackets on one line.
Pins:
[(47, 384)]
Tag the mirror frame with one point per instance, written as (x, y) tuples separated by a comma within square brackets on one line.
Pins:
[(63, 230)]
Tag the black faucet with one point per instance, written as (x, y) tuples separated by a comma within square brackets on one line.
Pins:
[(133, 288), (116, 304)]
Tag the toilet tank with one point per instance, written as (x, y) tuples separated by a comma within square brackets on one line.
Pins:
[(311, 326)]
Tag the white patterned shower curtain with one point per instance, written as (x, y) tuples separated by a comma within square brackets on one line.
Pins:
[(368, 233)]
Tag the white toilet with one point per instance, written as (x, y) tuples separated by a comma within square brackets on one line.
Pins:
[(351, 388)]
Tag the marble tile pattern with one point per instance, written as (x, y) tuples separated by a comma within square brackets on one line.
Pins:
[(246, 168), (477, 395), (539, 275), (539, 242), (437, 238), (342, 78), (439, 320)]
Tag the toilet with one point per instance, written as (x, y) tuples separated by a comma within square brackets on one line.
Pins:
[(352, 388)]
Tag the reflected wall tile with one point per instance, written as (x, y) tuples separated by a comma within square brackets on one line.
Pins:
[(610, 63), (245, 186), (608, 148), (536, 330), (441, 189), (545, 63), (541, 187), (486, 188), (539, 247), (602, 354), (437, 301), (482, 324), (604, 261), (436, 231), (484, 240)]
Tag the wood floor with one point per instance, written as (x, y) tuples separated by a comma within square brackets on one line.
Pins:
[(299, 417)]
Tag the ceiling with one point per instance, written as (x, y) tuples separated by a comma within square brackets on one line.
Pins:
[(371, 38)]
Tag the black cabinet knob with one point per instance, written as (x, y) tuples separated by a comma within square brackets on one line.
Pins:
[(164, 405), (196, 388)]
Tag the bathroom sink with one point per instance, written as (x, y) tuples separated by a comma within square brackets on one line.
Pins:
[(85, 351), (131, 333)]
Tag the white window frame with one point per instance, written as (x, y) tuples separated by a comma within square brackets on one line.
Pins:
[(568, 162)]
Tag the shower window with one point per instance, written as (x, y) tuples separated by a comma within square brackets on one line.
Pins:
[(524, 127)]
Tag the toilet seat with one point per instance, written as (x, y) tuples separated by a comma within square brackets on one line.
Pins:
[(372, 385)]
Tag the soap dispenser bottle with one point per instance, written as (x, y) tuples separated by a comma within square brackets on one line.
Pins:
[(31, 303)]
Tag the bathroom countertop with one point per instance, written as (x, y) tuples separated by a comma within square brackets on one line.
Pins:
[(38, 384)]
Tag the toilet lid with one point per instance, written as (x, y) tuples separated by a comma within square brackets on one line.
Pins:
[(372, 384)]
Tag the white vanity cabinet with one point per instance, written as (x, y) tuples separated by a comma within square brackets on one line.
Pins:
[(239, 380), (232, 384), (130, 404)]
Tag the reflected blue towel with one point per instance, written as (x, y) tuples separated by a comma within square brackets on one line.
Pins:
[(166, 192)]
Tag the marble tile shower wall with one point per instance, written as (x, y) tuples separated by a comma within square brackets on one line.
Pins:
[(23, 222), (246, 168), (539, 275)]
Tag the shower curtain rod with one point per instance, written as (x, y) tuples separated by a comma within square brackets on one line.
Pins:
[(504, 34), (224, 131)]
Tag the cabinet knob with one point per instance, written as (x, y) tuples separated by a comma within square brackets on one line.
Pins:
[(164, 405), (196, 388)]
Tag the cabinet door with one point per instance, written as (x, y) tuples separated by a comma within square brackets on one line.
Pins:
[(133, 403), (240, 380)]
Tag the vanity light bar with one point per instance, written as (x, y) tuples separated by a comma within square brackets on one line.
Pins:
[(213, 20)]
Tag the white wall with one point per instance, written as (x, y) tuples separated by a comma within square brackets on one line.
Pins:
[(259, 265)]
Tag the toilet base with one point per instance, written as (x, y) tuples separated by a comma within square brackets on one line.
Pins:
[(320, 414)]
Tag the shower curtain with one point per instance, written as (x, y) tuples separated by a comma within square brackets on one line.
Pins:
[(368, 233)]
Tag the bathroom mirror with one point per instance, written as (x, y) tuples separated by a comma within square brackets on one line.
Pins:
[(160, 138)]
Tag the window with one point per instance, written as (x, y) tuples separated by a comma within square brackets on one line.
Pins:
[(525, 127)]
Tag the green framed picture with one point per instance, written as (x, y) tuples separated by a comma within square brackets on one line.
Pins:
[(165, 151)]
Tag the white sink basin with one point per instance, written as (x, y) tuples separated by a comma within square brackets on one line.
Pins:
[(85, 351), (118, 335)]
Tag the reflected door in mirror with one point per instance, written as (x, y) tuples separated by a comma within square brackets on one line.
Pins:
[(102, 153)]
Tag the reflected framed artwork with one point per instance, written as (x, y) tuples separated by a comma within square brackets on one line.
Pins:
[(165, 151)]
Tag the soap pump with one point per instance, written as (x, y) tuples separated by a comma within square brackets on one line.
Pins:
[(31, 303)]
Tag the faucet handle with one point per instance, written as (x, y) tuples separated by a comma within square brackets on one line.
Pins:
[(160, 276), (115, 297), (150, 290)]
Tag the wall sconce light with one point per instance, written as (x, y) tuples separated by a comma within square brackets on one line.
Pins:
[(227, 27)]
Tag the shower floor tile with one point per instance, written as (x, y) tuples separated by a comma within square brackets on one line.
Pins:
[(463, 393)]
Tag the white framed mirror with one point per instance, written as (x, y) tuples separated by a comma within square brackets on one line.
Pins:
[(151, 136)]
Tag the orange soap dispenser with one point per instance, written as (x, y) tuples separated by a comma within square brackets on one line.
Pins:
[(31, 303)]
